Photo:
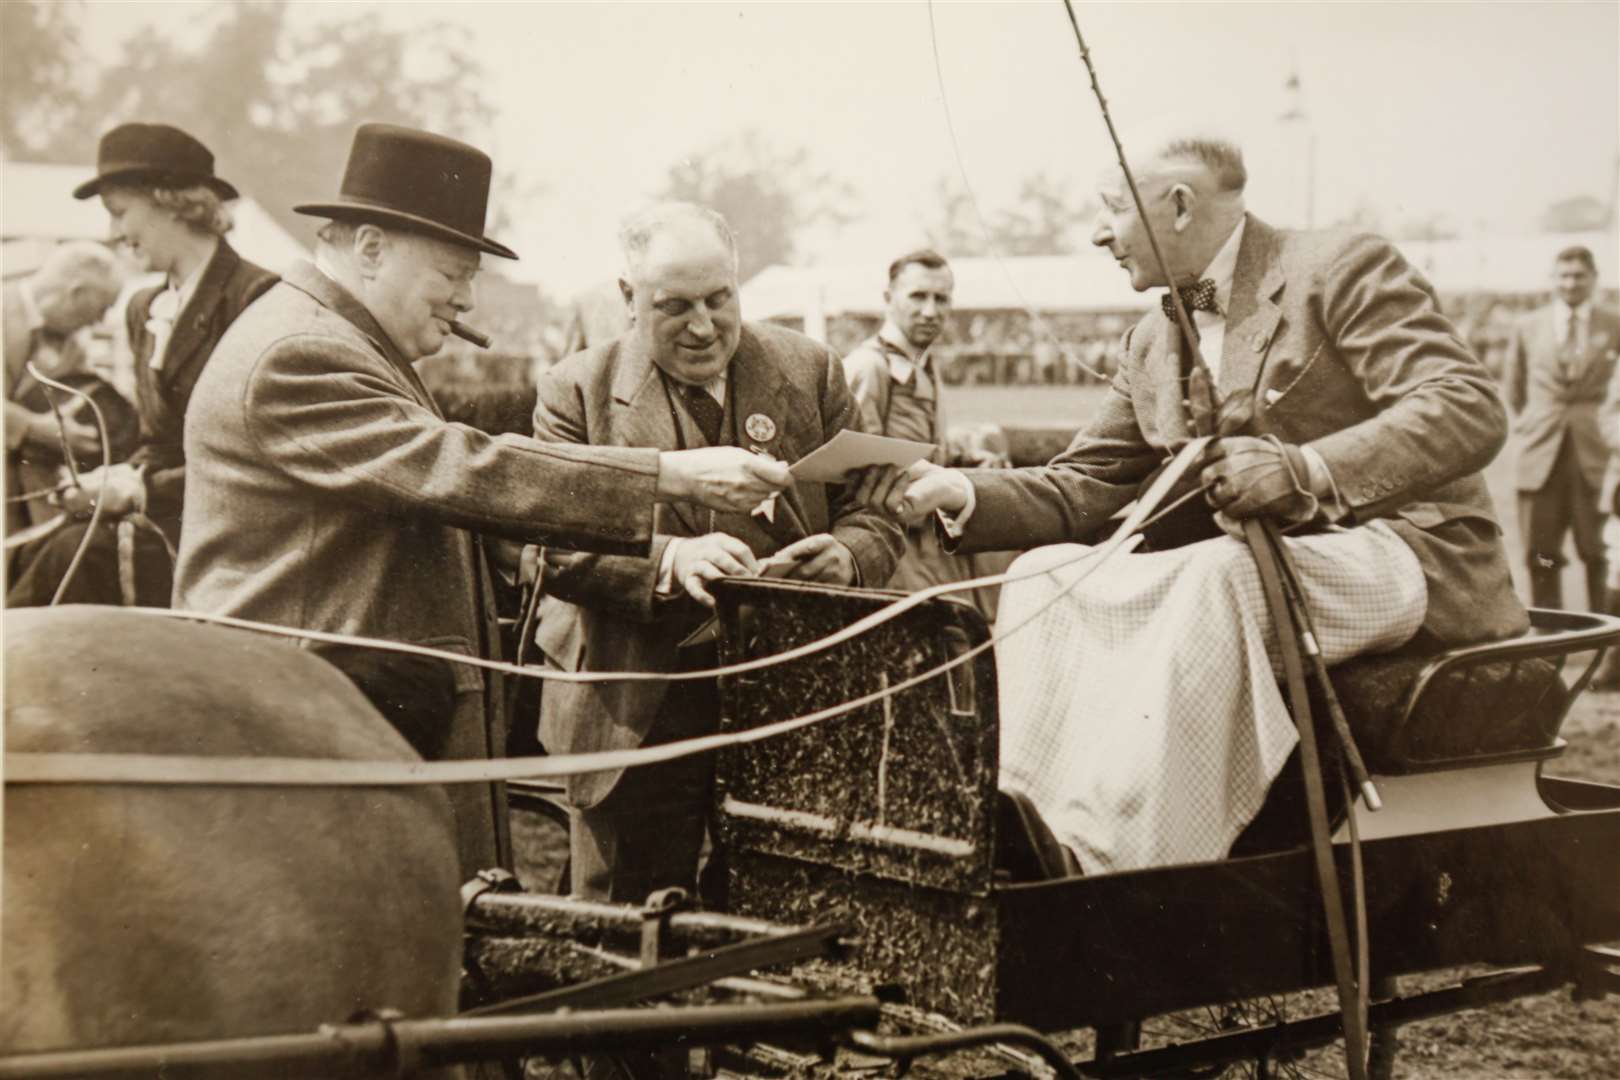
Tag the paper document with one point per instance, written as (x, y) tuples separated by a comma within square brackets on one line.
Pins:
[(850, 450)]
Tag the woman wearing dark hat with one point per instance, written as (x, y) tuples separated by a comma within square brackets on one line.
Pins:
[(168, 208)]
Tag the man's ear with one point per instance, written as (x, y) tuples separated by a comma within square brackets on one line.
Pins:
[(1184, 198), (369, 244), (628, 292)]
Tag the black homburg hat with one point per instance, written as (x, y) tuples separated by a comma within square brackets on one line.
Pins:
[(415, 180), (153, 153)]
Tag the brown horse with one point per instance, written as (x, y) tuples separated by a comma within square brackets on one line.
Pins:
[(142, 914)]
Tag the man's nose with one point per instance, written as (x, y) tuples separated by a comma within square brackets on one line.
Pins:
[(700, 324), (1102, 235), (461, 297)]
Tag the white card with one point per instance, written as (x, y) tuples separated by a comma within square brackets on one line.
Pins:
[(850, 450)]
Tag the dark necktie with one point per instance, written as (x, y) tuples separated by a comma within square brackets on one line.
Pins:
[(706, 411), (1199, 296)]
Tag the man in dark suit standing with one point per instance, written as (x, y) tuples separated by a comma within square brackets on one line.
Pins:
[(329, 493), (689, 372), (1559, 364), (1342, 398)]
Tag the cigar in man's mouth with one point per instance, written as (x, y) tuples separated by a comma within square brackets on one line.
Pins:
[(467, 333)]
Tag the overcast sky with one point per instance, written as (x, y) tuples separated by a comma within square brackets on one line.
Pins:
[(1482, 112)]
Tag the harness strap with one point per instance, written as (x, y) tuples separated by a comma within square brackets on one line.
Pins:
[(1263, 541)]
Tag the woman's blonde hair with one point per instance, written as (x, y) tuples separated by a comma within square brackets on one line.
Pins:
[(197, 206)]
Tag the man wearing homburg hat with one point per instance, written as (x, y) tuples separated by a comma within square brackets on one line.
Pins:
[(328, 492)]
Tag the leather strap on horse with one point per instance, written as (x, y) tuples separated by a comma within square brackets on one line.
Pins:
[(1266, 546)]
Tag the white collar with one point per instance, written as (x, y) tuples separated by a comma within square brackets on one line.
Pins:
[(901, 364), (187, 288), (1222, 267), (1581, 311), (33, 318), (716, 387)]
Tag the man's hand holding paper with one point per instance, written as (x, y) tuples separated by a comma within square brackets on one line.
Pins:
[(912, 493)]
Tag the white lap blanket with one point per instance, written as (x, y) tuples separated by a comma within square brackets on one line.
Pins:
[(1141, 712)]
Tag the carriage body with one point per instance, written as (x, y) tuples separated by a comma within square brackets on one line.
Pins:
[(888, 814)]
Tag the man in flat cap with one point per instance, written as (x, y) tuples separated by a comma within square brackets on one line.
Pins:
[(328, 492), (1141, 714)]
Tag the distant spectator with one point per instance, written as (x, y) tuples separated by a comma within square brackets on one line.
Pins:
[(897, 390), (1562, 358)]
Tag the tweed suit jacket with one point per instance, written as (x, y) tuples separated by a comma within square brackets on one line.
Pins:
[(1551, 397), (327, 492), (600, 613), (229, 283), (1344, 349)]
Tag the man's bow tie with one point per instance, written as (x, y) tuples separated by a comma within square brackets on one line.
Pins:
[(1198, 296)]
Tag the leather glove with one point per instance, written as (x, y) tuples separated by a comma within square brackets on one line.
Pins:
[(1250, 477)]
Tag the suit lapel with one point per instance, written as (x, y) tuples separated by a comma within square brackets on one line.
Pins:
[(193, 326), (1164, 380), (1253, 315), (757, 396), (644, 418), (329, 294)]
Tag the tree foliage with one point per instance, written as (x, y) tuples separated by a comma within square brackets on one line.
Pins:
[(39, 48), (276, 102), (769, 195), (1047, 217)]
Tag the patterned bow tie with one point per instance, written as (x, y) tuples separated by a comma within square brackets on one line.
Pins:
[(1199, 296)]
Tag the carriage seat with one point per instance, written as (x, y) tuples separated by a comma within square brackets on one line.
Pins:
[(1409, 712), (1405, 722), (1414, 711)]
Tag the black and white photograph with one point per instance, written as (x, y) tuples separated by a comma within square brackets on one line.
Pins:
[(790, 540)]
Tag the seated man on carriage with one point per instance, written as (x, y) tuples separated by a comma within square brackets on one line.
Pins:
[(1140, 712)]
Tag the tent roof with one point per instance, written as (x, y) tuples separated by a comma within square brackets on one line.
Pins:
[(37, 210), (1047, 283), (1503, 262), (1489, 262)]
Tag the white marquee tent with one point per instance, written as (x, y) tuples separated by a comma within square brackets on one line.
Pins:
[(1090, 281), (38, 210)]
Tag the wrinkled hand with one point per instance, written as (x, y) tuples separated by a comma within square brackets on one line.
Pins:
[(817, 558), (912, 493), (726, 478), (82, 439), (117, 488), (1252, 477), (699, 560)]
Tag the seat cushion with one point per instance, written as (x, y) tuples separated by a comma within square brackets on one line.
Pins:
[(1481, 709)]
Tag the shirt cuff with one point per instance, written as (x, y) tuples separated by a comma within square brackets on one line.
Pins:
[(665, 584), (1323, 485), (143, 494)]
